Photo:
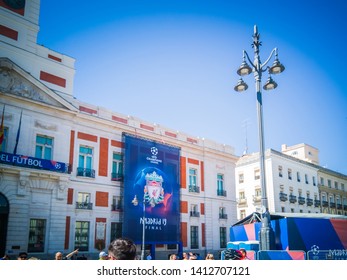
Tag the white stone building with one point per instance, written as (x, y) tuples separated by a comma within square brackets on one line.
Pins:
[(295, 183), (60, 165)]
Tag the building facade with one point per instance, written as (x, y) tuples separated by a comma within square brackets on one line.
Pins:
[(61, 162), (295, 183)]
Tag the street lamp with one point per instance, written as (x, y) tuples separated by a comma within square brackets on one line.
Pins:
[(266, 234), (135, 202)]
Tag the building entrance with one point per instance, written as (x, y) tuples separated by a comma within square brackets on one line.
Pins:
[(4, 210)]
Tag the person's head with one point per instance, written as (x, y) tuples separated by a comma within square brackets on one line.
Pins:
[(209, 256), (58, 255), (243, 253), (173, 257), (122, 249), (103, 256), (22, 256)]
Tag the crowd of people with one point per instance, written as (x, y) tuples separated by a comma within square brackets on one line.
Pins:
[(125, 249)]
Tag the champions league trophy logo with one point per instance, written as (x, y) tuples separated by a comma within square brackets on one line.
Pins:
[(153, 190)]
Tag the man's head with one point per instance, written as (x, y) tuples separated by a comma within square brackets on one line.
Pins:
[(122, 249), (22, 256)]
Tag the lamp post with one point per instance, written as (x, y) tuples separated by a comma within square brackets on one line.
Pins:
[(266, 234), (135, 203)]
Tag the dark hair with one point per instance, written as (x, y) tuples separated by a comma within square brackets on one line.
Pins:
[(122, 249), (232, 254)]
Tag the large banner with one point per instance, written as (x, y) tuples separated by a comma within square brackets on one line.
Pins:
[(151, 191)]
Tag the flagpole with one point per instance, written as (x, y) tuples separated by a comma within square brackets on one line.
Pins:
[(18, 134), (2, 129)]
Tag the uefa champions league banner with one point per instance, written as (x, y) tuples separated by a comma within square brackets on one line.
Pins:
[(151, 190)]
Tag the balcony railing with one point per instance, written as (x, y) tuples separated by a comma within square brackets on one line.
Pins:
[(309, 201), (292, 199), (85, 172), (221, 193), (325, 203), (316, 203), (117, 207), (194, 214), (301, 200), (256, 198), (332, 204), (194, 189), (116, 176), (223, 216), (283, 196), (339, 206), (84, 205)]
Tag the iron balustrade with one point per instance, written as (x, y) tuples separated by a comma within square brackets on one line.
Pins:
[(84, 205), (85, 172), (283, 196), (194, 189)]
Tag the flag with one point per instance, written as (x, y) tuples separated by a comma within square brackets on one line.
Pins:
[(2, 129), (18, 133)]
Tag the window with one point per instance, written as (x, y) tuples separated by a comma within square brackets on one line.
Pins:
[(117, 204), (220, 185), (314, 180), (280, 171), (116, 230), (289, 174), (192, 177), (306, 178), (329, 183), (85, 160), (37, 229), (342, 186), (4, 141), (283, 209), (82, 235), (83, 201), (223, 237), (222, 213), (298, 178), (256, 174), (336, 184), (44, 147), (242, 214), (194, 237), (194, 210), (117, 167), (241, 178), (258, 192), (322, 181)]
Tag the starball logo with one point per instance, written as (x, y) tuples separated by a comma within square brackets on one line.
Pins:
[(153, 158)]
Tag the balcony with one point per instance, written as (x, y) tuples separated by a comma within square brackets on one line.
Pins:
[(316, 203), (117, 207), (332, 204), (292, 199), (345, 207), (309, 201), (194, 214), (325, 203), (242, 202), (223, 216), (194, 189), (84, 205), (339, 206), (301, 200), (283, 197), (116, 177), (85, 172), (256, 199), (221, 193)]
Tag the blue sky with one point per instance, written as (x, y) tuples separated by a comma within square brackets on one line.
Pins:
[(174, 63)]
